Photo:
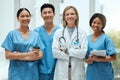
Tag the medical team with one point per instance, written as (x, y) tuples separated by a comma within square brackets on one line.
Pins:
[(51, 52)]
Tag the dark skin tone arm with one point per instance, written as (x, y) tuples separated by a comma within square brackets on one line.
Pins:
[(99, 59)]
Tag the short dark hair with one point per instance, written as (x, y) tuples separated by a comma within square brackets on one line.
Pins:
[(47, 5), (21, 9), (101, 17)]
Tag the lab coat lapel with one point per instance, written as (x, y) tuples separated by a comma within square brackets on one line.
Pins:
[(67, 37), (74, 35)]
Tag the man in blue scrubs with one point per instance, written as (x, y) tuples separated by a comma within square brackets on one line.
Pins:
[(46, 33)]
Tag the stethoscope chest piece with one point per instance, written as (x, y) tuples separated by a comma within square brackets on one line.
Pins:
[(76, 44)]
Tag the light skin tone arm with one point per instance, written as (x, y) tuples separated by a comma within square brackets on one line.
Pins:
[(28, 56)]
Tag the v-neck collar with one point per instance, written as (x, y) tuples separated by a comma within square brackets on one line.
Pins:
[(97, 38), (51, 31), (25, 39)]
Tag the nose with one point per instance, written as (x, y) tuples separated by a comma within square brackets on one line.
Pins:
[(47, 14), (69, 15), (25, 17), (95, 24)]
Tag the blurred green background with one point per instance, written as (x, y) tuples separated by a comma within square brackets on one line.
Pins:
[(115, 35)]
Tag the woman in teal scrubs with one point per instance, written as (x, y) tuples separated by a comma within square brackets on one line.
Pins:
[(19, 49), (99, 68)]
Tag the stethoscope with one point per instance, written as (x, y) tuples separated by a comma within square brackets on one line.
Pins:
[(75, 43)]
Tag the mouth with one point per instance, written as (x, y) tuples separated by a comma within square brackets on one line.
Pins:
[(25, 22), (95, 28)]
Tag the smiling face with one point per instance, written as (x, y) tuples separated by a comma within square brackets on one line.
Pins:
[(70, 17), (47, 14), (96, 25), (24, 18)]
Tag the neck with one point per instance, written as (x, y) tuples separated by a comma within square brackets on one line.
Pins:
[(71, 25), (49, 28), (24, 29), (97, 34)]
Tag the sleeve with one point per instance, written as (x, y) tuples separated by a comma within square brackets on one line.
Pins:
[(55, 48), (37, 29), (38, 41), (80, 53), (8, 42), (110, 49), (40, 44)]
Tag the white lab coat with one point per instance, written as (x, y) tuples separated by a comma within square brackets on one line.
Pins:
[(77, 55)]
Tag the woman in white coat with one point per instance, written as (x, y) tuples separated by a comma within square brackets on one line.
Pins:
[(69, 48)]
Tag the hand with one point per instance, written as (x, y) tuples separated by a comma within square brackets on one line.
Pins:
[(93, 58), (63, 49), (36, 51), (33, 55), (89, 61)]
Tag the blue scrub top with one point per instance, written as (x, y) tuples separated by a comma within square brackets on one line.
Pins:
[(47, 63), (20, 69), (100, 70)]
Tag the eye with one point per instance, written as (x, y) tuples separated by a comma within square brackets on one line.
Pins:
[(72, 13), (27, 16), (22, 16), (49, 12), (93, 22), (66, 14), (44, 12)]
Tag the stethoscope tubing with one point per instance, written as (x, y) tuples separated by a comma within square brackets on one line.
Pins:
[(62, 37)]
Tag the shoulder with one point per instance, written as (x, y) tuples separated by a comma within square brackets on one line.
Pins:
[(107, 38), (89, 37), (59, 31), (33, 33), (12, 32), (56, 28), (39, 28), (81, 30)]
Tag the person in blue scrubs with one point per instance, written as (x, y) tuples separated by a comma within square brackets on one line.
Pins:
[(46, 33), (99, 68), (23, 48)]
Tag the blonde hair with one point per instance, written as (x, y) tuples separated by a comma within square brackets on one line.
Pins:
[(76, 12)]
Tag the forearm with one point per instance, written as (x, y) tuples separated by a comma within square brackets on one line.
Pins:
[(78, 53), (102, 59), (107, 58), (16, 55), (58, 52), (28, 56)]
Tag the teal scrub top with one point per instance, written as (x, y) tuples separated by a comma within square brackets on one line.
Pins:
[(47, 63), (20, 69), (100, 70)]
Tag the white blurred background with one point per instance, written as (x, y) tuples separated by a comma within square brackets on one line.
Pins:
[(8, 21)]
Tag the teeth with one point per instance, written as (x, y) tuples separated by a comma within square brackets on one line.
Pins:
[(95, 28)]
